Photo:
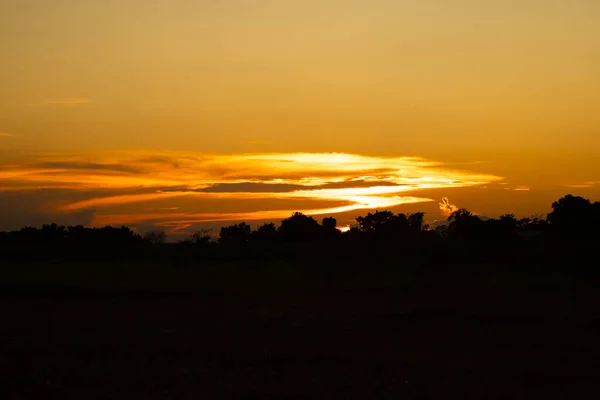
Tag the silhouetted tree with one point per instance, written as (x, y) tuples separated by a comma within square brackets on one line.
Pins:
[(384, 224), (330, 227), (239, 233), (574, 215), (200, 238), (415, 222), (329, 223), (265, 232), (506, 227), (156, 237), (300, 227), (53, 231), (506, 238), (372, 223), (464, 224)]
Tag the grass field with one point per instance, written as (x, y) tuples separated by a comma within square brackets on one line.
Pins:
[(285, 332)]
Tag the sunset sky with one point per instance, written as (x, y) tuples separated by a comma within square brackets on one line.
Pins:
[(184, 114)]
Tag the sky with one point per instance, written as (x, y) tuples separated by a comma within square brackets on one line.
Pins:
[(177, 115)]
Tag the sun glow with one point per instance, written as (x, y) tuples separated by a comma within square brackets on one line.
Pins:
[(344, 229), (342, 182)]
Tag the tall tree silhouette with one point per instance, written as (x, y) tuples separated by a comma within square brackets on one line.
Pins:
[(300, 227), (464, 224), (415, 222), (265, 232), (574, 214), (383, 224), (330, 228), (238, 233)]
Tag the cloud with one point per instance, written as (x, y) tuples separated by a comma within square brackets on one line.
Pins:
[(251, 187), (108, 182), (68, 101), (446, 206), (88, 166), (584, 185), (6, 135), (256, 187), (191, 218), (21, 209), (117, 200)]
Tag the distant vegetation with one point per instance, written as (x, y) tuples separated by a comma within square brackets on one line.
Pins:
[(567, 239)]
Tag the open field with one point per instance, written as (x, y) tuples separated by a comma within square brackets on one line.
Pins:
[(496, 341)]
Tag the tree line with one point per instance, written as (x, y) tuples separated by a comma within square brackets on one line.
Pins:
[(381, 235)]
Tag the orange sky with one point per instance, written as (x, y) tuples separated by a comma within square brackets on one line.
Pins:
[(102, 103)]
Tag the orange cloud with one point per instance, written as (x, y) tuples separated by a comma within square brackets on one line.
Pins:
[(447, 207), (116, 200), (583, 185), (180, 219), (354, 181)]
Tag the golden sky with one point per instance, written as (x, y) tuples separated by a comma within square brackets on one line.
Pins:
[(116, 99)]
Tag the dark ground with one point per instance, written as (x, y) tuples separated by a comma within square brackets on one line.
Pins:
[(492, 343)]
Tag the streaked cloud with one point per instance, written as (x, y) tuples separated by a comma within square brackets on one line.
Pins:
[(118, 200), (340, 183), (518, 188), (251, 187), (584, 185), (6, 135), (87, 166), (194, 218)]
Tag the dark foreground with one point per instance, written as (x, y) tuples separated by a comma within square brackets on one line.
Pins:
[(493, 343)]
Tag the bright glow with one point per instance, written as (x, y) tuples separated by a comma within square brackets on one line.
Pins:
[(340, 182), (447, 207)]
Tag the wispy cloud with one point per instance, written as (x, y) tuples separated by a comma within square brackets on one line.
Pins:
[(87, 166), (584, 185), (519, 189), (6, 135), (340, 183), (68, 101), (118, 200), (179, 219), (446, 207)]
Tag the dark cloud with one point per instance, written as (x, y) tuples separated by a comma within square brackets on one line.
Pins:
[(259, 187), (172, 161), (356, 184), (251, 187), (19, 185), (29, 209), (89, 166)]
